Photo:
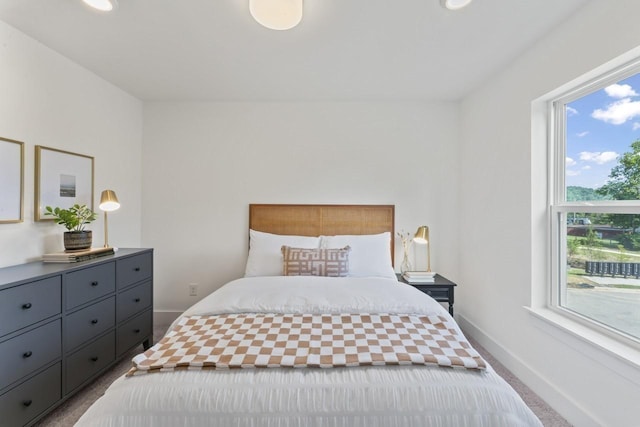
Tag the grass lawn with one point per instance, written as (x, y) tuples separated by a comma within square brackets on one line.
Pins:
[(603, 250)]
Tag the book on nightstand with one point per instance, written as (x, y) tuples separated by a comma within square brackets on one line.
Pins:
[(417, 277), (77, 256)]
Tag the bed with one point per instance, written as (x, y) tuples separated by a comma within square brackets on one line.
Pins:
[(338, 341)]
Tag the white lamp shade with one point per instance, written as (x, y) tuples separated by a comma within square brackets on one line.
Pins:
[(276, 14), (102, 5), (422, 235), (109, 201)]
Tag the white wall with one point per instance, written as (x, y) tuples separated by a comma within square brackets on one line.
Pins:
[(503, 229), (204, 163), (45, 99)]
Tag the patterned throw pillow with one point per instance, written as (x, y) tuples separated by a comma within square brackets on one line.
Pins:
[(315, 262)]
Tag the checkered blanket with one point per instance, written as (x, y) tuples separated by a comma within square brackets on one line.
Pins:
[(252, 340)]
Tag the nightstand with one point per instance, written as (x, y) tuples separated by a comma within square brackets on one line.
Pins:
[(440, 290)]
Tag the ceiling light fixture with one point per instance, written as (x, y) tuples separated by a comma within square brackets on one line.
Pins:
[(454, 4), (276, 14), (102, 5)]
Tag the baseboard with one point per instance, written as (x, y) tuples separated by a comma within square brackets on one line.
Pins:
[(560, 402), (165, 318)]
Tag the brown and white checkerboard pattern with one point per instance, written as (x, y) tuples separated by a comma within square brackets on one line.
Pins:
[(230, 341)]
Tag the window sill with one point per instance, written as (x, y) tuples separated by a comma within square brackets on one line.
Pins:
[(591, 343)]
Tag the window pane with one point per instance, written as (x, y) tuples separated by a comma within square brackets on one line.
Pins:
[(603, 269), (603, 144)]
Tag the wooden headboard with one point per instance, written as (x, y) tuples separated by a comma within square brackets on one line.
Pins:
[(327, 220)]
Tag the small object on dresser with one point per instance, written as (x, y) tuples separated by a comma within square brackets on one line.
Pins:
[(77, 256), (416, 277)]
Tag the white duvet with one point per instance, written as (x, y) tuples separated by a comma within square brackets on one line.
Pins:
[(359, 396)]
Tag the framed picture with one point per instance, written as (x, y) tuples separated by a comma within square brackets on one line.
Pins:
[(62, 180), (11, 180)]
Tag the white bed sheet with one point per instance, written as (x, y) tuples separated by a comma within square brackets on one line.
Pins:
[(362, 396)]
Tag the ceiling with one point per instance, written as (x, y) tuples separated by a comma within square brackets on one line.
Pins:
[(342, 50)]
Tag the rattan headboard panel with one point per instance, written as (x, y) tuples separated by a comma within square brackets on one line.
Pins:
[(328, 220)]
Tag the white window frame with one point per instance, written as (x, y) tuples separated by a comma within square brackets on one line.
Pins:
[(559, 207)]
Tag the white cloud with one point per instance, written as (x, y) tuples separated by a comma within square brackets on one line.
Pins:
[(618, 112), (598, 157), (582, 134), (571, 111), (570, 162), (620, 91), (586, 167), (572, 173), (636, 125)]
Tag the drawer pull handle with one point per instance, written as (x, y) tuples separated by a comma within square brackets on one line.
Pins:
[(27, 354), (137, 331), (95, 283), (26, 306), (136, 300), (94, 321), (136, 269), (94, 359), (27, 403)]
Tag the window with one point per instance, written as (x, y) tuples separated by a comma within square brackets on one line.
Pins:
[(595, 203)]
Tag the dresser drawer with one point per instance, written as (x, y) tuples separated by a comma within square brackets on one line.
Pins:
[(438, 294), (88, 284), (27, 304), (26, 353), (28, 400), (89, 360), (89, 322), (133, 301), (134, 331), (133, 269)]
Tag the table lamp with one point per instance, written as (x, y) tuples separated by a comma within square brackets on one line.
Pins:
[(108, 202), (422, 237)]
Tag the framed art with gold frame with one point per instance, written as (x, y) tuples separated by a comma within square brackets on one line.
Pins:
[(11, 181), (62, 180)]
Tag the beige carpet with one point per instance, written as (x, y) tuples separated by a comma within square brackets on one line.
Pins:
[(69, 412)]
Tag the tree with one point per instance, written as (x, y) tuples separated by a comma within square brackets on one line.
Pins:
[(624, 179), (573, 246), (578, 194), (624, 184), (591, 242)]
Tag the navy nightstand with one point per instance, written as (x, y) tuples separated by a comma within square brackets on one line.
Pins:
[(440, 290)]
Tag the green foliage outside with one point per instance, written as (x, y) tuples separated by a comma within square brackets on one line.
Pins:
[(624, 179), (582, 194), (630, 241), (623, 184), (591, 244), (581, 249)]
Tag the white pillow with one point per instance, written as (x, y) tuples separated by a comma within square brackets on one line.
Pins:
[(370, 253), (265, 254)]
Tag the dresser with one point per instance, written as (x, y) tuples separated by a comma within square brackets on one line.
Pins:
[(62, 325)]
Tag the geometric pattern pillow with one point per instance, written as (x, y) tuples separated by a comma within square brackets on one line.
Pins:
[(315, 262)]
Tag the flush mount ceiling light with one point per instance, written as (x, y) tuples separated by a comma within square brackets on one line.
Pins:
[(102, 5), (276, 14), (454, 4)]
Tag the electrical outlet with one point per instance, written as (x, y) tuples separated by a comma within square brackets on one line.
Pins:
[(193, 289)]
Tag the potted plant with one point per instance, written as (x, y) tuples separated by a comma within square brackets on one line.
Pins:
[(74, 220)]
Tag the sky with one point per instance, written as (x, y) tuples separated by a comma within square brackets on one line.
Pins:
[(601, 127)]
